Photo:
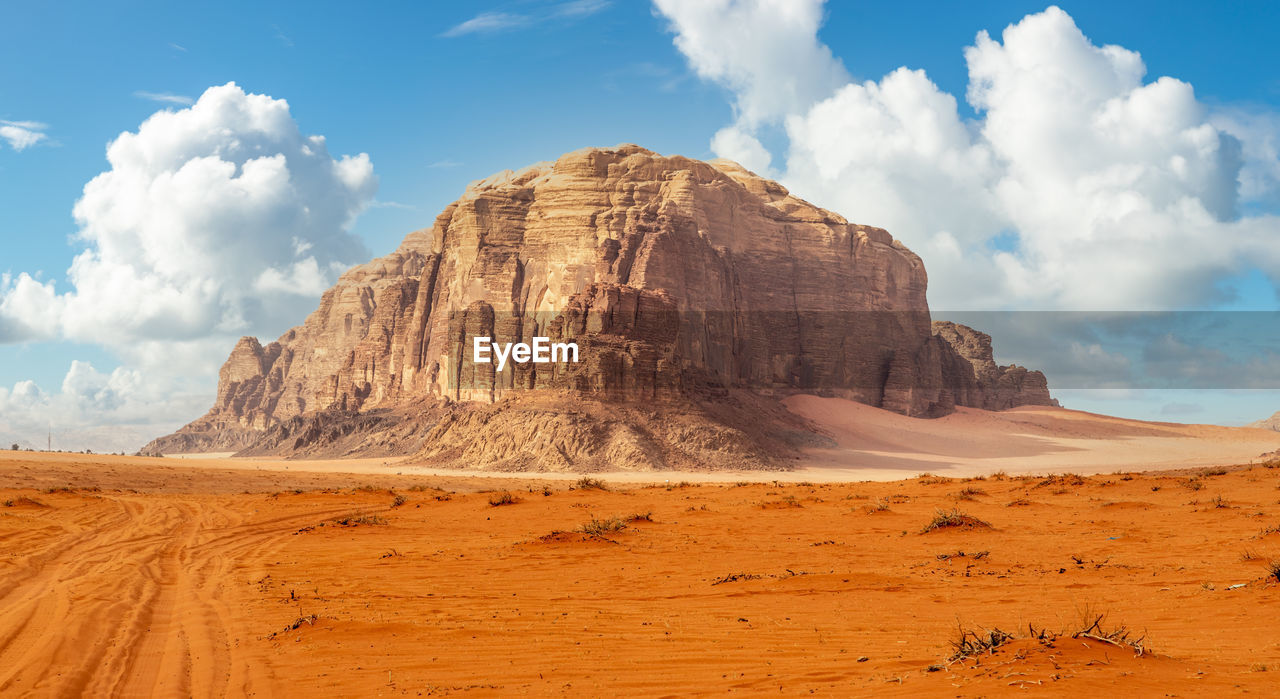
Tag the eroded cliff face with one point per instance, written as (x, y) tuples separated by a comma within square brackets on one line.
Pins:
[(984, 384), (679, 280)]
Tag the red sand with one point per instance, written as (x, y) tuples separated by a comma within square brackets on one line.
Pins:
[(191, 586)]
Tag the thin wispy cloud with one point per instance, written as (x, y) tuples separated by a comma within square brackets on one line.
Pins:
[(444, 163), (33, 125), (177, 47), (666, 79), (487, 23), (381, 204), (165, 97), (21, 135), (283, 38), (579, 8), (496, 22)]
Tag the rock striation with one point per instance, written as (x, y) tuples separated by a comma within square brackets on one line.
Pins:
[(684, 283)]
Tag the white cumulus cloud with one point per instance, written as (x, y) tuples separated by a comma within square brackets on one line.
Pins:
[(766, 51), (115, 411), (1080, 184), (214, 221)]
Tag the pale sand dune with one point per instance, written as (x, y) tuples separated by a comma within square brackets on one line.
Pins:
[(875, 444)]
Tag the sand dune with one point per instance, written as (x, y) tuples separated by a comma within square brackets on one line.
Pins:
[(869, 444), (194, 587), (878, 444)]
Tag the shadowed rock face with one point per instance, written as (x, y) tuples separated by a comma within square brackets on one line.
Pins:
[(983, 384), (679, 280)]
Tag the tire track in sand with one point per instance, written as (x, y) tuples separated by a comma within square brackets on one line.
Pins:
[(139, 606)]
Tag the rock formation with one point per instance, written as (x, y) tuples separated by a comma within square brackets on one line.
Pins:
[(684, 284), (989, 387), (1272, 423)]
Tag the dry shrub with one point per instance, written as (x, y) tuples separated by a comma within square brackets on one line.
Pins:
[(961, 554), (787, 502), (1070, 479), (589, 483), (880, 505), (600, 527), (735, 577), (971, 643), (309, 620), (503, 498), (1119, 635), (954, 519)]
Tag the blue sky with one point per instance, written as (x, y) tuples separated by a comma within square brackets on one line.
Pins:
[(436, 102)]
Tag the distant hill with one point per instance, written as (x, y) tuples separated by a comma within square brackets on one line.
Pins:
[(1271, 423)]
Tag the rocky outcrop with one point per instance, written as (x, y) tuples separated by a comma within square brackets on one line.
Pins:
[(680, 281), (1272, 423), (984, 384)]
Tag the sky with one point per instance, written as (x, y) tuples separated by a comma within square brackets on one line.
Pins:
[(174, 176)]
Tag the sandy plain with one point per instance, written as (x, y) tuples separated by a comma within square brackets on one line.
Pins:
[(123, 576)]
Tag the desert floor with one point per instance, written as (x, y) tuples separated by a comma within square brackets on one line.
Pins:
[(136, 577)]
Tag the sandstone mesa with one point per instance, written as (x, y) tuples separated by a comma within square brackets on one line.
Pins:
[(698, 292)]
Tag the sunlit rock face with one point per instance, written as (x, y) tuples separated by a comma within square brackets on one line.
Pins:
[(677, 279)]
